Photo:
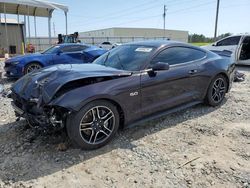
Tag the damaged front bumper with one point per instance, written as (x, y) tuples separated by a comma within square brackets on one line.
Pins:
[(39, 116)]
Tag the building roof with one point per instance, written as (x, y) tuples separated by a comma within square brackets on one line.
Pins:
[(31, 7), (131, 28)]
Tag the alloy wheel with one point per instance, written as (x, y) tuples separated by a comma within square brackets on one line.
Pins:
[(32, 67), (219, 90), (97, 124)]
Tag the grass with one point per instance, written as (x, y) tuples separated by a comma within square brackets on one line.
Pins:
[(200, 43)]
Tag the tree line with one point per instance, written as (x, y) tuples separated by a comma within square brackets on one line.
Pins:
[(202, 38)]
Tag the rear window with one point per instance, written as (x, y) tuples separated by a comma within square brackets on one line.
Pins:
[(73, 48), (229, 41)]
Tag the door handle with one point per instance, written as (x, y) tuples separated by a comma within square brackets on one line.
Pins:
[(193, 71)]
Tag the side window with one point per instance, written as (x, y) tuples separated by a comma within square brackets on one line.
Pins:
[(177, 55), (73, 48), (229, 41)]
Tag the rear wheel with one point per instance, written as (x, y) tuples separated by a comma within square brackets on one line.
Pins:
[(94, 125), (217, 90), (32, 67)]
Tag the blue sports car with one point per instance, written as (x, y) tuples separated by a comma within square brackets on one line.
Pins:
[(57, 54)]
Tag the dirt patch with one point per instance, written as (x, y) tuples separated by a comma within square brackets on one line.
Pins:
[(198, 147)]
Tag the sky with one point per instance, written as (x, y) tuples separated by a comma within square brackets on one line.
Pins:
[(194, 16)]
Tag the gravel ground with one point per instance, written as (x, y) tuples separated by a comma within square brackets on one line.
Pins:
[(198, 147)]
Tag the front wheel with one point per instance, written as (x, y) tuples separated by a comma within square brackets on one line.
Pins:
[(217, 90), (94, 125), (32, 67)]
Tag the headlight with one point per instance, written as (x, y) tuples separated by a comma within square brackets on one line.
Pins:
[(15, 62)]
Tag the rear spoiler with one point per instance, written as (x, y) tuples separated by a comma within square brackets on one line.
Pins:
[(224, 53)]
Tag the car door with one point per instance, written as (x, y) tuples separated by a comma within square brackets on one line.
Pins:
[(227, 44), (176, 86), (243, 52), (70, 54)]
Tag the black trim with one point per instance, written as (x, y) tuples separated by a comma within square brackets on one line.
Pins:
[(158, 115)]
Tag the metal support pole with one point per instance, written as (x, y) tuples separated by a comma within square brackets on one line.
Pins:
[(34, 14), (18, 24), (25, 37), (6, 29), (216, 19), (29, 23), (66, 22), (49, 29), (35, 26)]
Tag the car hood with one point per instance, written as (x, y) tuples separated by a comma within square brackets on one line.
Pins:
[(45, 82), (21, 57)]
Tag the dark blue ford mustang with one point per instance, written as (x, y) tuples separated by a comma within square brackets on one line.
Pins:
[(58, 54), (131, 83)]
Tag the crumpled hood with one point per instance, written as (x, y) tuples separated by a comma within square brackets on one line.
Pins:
[(47, 81)]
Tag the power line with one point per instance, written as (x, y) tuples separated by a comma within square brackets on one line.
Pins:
[(205, 9), (112, 17), (188, 8), (118, 17), (180, 2), (145, 18), (127, 10), (180, 10)]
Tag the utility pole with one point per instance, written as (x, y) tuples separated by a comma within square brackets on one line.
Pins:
[(216, 19), (164, 20)]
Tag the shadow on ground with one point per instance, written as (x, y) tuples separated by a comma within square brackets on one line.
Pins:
[(29, 155)]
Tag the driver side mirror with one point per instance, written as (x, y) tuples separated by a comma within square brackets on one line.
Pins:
[(214, 44), (160, 66)]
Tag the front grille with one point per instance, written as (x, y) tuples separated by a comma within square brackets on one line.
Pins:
[(7, 65)]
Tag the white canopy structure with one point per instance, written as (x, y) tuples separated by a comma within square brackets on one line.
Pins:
[(29, 8)]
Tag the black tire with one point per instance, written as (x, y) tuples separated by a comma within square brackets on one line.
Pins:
[(84, 128), (217, 90), (32, 67)]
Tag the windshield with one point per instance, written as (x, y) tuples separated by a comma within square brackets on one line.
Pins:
[(126, 57), (51, 50)]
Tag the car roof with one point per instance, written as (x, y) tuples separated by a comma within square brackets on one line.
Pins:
[(72, 44), (158, 43)]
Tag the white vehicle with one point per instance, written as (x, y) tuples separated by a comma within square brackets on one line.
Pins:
[(108, 45), (238, 46)]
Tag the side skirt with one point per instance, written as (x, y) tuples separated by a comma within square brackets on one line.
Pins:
[(158, 115)]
